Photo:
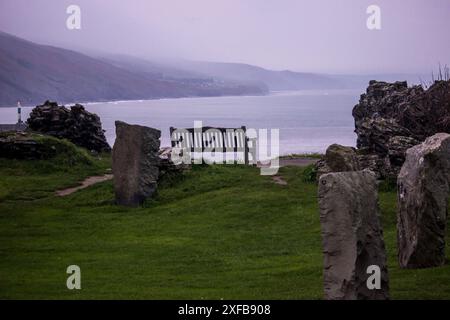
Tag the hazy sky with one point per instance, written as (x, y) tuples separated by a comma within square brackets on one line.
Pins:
[(303, 35)]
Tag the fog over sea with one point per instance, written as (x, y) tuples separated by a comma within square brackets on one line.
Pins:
[(309, 121)]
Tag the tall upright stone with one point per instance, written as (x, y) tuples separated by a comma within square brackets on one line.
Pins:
[(423, 193), (352, 237), (135, 163)]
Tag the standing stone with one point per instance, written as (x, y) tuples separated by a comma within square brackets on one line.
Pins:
[(135, 163), (352, 236), (423, 192)]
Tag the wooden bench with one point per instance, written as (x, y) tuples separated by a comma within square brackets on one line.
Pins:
[(211, 139)]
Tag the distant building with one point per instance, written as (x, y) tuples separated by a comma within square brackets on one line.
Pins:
[(19, 126)]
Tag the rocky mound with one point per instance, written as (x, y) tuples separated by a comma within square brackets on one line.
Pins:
[(392, 117), (75, 124), (167, 168), (33, 146)]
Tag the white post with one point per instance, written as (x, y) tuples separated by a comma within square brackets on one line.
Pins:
[(19, 112)]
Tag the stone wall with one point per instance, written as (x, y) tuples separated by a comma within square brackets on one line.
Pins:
[(75, 124)]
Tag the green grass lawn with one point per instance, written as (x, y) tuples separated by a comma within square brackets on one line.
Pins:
[(220, 232)]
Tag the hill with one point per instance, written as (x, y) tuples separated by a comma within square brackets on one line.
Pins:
[(273, 80), (232, 72), (33, 73)]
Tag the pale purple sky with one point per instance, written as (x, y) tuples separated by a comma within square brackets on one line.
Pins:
[(327, 36)]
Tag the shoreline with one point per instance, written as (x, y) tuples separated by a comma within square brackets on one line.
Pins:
[(140, 100), (305, 92)]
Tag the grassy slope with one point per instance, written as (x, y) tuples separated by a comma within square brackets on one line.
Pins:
[(222, 232)]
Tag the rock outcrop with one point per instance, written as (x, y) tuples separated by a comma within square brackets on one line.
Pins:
[(75, 124), (423, 193), (135, 163), (352, 236), (390, 118), (34, 146), (23, 145), (167, 168)]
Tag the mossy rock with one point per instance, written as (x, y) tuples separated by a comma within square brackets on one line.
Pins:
[(33, 146)]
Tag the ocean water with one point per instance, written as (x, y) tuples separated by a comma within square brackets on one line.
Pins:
[(308, 121)]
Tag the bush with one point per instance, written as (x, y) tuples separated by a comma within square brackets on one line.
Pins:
[(309, 174)]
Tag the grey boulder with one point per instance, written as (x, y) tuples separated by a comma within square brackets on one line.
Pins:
[(337, 158), (423, 191)]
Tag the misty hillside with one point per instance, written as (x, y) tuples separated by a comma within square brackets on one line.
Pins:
[(249, 74), (151, 68), (289, 80), (236, 72), (33, 73), (275, 80)]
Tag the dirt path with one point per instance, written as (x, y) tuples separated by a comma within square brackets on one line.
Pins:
[(86, 183), (279, 180)]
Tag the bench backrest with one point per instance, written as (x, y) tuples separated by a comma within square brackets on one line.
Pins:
[(211, 139)]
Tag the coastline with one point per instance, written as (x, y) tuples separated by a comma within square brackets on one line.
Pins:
[(137, 100), (306, 92)]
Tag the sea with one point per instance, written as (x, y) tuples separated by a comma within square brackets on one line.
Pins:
[(308, 121)]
